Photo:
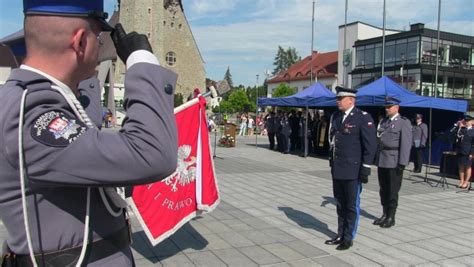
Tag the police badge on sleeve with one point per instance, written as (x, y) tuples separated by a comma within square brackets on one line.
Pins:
[(57, 129)]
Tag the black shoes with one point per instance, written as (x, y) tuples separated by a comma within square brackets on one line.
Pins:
[(344, 245), (389, 222), (335, 241), (380, 220)]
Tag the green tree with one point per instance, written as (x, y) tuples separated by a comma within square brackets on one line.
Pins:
[(228, 77), (279, 61), (225, 107), (262, 92), (291, 56), (283, 90), (239, 101), (285, 58)]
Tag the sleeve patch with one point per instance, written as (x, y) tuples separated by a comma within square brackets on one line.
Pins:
[(56, 129), (370, 124)]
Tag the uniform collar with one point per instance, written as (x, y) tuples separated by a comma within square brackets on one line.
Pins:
[(394, 117), (49, 77), (347, 112)]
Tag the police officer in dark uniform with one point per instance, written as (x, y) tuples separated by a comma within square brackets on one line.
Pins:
[(353, 146), (465, 149), (58, 171), (394, 144)]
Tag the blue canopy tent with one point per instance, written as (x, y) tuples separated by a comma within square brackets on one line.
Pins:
[(374, 94), (448, 110), (317, 95)]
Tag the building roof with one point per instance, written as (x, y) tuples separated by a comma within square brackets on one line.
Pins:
[(418, 29), (367, 24), (324, 65)]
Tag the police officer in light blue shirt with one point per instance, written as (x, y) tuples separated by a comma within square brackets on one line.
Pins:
[(353, 146), (58, 171), (394, 144)]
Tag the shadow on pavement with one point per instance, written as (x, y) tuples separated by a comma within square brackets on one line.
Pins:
[(331, 200), (307, 221), (186, 238)]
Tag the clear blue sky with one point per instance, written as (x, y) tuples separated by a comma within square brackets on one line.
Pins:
[(245, 34)]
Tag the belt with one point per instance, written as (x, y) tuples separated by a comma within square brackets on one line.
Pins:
[(388, 148), (95, 251)]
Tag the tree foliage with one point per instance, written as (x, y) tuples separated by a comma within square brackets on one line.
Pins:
[(238, 101), (285, 58), (283, 90), (228, 77)]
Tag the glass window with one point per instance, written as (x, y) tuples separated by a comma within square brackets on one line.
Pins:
[(360, 57), (412, 53), (378, 56), (171, 58), (459, 56), (369, 58), (413, 39), (390, 55), (400, 53), (428, 53), (401, 41)]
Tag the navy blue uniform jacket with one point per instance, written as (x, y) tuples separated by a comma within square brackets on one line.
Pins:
[(353, 143)]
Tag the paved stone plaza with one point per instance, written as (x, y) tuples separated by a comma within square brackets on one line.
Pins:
[(277, 210)]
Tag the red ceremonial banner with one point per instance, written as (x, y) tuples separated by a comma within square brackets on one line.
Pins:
[(163, 207)]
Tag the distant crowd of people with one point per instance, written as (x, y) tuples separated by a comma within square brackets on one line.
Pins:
[(288, 130)]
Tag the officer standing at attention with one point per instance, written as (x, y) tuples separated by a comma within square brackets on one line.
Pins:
[(57, 169), (353, 147), (394, 144), (420, 135)]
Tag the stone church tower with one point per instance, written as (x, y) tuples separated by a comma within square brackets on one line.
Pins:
[(173, 43)]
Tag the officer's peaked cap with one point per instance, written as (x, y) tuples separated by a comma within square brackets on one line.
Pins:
[(341, 91), (468, 117), (69, 8), (391, 101)]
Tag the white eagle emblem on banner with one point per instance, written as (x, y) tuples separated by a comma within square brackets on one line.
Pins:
[(185, 173)]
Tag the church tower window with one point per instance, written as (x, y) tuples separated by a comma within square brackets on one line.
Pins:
[(171, 58)]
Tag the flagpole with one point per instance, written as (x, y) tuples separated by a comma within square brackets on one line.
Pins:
[(383, 43), (305, 135), (312, 47), (344, 67), (434, 92)]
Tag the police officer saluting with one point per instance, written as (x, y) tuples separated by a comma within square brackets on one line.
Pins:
[(394, 144), (57, 169), (353, 146), (465, 150)]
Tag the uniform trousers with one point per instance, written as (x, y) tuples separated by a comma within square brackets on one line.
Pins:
[(418, 158), (390, 182), (271, 139), (347, 194)]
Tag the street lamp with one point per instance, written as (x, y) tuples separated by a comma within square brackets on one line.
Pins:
[(256, 112)]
